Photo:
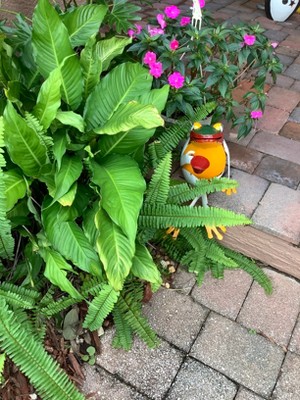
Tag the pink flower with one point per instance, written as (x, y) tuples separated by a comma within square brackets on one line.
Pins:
[(156, 69), (256, 114), (149, 58), (249, 39), (131, 33), (176, 80), (274, 45), (155, 31), (185, 21), (138, 28), (161, 21), (202, 3), (174, 44), (172, 12)]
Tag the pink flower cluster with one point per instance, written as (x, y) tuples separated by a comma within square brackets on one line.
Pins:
[(156, 68), (249, 40), (176, 80), (256, 114), (132, 32)]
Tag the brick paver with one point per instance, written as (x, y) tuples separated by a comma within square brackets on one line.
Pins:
[(246, 199), (149, 370), (282, 98), (273, 120), (224, 296), (184, 281), (293, 71), (291, 130), (106, 387), (277, 146), (245, 394), (278, 213), (169, 309), (196, 381), (295, 116), (277, 314), (247, 358), (244, 158), (279, 171), (294, 345), (288, 387)]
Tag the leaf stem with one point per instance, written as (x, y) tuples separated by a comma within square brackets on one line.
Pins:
[(14, 13)]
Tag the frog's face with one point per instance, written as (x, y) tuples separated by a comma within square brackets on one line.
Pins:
[(281, 10)]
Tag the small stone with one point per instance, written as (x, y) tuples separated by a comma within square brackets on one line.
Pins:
[(172, 270), (167, 285)]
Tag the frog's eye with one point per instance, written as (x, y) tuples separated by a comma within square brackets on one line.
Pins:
[(197, 125), (190, 153), (218, 126)]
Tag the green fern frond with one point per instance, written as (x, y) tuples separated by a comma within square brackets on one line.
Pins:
[(100, 307), (92, 286), (20, 290), (249, 266), (195, 238), (217, 255), (163, 216), (183, 192), (34, 123), (17, 300), (196, 262), (145, 234), (203, 111), (129, 304), (48, 297), (44, 373), (58, 306), (160, 182), (217, 270), (6, 240), (123, 338), (156, 153), (33, 324)]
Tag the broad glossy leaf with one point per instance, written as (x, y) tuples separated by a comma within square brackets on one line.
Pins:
[(115, 250), (89, 227), (83, 22), (108, 49), (69, 172), (71, 118), (132, 115), (15, 188), (124, 83), (23, 143), (156, 97), (60, 146), (91, 65), (69, 240), (144, 267), (55, 271), (122, 189), (52, 49), (67, 199), (48, 100), (124, 142)]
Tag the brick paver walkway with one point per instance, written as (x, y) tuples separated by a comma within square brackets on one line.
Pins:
[(227, 340)]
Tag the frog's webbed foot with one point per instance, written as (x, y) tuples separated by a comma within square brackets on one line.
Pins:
[(214, 230), (174, 232), (229, 192)]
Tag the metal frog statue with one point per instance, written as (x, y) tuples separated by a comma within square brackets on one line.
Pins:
[(281, 10), (204, 156)]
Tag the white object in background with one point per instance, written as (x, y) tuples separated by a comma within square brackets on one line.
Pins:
[(281, 10)]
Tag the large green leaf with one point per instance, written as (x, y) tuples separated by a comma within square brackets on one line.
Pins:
[(124, 142), (124, 83), (69, 172), (156, 97), (108, 49), (121, 15), (71, 118), (132, 115), (52, 49), (83, 22), (15, 188), (23, 143), (55, 271), (69, 240), (91, 65), (115, 250), (122, 188), (48, 100), (143, 266), (60, 139)]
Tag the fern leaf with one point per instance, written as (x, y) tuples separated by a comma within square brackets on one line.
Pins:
[(251, 268), (44, 373), (217, 270), (171, 137), (174, 248), (6, 239), (156, 152), (16, 300), (163, 216), (160, 183), (216, 254), (129, 304), (182, 193), (60, 305), (123, 337), (92, 286), (100, 307), (35, 124), (20, 290), (195, 238)]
